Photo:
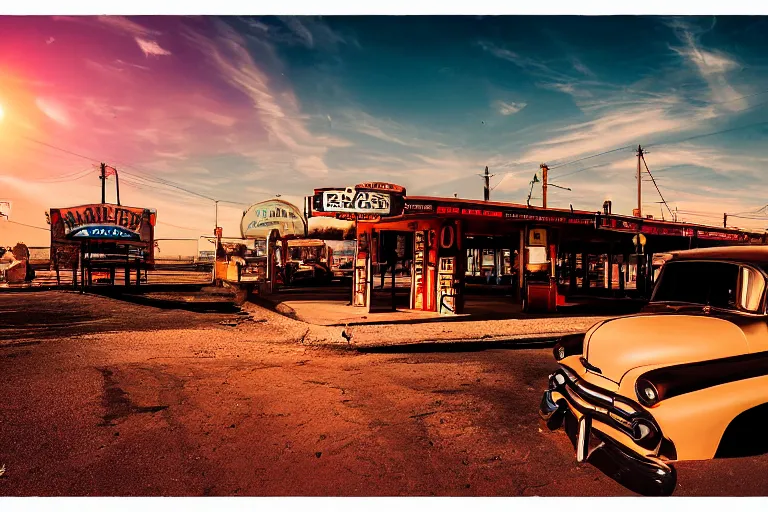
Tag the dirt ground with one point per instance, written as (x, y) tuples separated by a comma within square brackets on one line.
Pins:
[(101, 397)]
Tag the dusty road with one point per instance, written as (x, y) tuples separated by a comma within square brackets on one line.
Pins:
[(131, 400)]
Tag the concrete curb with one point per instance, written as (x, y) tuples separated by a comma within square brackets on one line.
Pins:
[(457, 345)]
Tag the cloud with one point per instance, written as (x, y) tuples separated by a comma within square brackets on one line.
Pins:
[(307, 31), (126, 26), (143, 36), (289, 143), (532, 66), (151, 47), (713, 67), (102, 108), (581, 67), (613, 129), (507, 109), (299, 30), (54, 110), (131, 64)]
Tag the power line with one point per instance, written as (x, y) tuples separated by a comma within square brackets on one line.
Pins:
[(576, 172), (707, 134), (681, 140), (642, 156), (175, 226), (590, 156), (27, 225), (74, 176), (137, 176)]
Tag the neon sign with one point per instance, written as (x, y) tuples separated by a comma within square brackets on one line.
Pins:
[(104, 232), (102, 221), (356, 201)]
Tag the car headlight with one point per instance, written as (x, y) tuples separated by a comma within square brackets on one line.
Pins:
[(646, 392), (569, 345)]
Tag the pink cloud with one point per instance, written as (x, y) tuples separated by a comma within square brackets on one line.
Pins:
[(151, 47), (54, 110)]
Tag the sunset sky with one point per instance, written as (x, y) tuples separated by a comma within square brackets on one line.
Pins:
[(243, 109)]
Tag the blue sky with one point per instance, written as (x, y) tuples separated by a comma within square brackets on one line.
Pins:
[(242, 109)]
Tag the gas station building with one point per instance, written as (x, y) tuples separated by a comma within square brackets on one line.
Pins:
[(546, 257)]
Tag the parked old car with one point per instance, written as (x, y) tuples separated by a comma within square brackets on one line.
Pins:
[(686, 379)]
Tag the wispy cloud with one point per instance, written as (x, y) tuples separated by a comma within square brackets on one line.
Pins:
[(507, 109), (151, 47), (54, 110), (579, 66), (533, 66), (545, 75), (307, 31), (289, 140), (713, 66), (126, 26), (613, 129), (145, 38)]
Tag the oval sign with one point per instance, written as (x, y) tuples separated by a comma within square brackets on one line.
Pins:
[(262, 218)]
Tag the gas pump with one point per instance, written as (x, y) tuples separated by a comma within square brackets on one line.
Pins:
[(362, 270), (418, 281), (449, 296), (642, 279), (541, 286)]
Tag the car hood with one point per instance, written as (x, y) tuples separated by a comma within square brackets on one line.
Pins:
[(617, 346)]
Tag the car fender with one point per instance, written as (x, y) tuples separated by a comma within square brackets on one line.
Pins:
[(696, 421)]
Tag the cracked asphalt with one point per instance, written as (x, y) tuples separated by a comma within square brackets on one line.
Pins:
[(104, 398)]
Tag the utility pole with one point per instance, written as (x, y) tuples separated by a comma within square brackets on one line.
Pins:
[(117, 186), (487, 189), (639, 183), (544, 170), (103, 179), (217, 240), (725, 220)]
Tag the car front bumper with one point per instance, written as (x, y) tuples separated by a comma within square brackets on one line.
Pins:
[(614, 420)]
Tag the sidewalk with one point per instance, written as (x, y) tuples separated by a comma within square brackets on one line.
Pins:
[(336, 323)]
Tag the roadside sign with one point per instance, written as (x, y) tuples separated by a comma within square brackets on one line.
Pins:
[(218, 232), (5, 209), (639, 239)]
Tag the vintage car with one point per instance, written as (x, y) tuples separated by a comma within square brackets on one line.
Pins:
[(308, 260), (686, 379)]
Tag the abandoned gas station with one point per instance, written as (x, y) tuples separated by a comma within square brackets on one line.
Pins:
[(547, 258)]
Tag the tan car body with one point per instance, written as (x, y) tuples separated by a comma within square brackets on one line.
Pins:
[(705, 351)]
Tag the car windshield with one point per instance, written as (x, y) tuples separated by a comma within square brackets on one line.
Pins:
[(717, 284)]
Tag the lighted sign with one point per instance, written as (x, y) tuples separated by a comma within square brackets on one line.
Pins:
[(384, 187), (102, 221), (104, 232), (356, 201), (275, 214), (370, 217), (419, 207), (718, 235), (366, 201)]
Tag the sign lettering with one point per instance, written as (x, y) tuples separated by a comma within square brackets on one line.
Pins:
[(384, 187), (107, 221), (356, 201), (419, 207)]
